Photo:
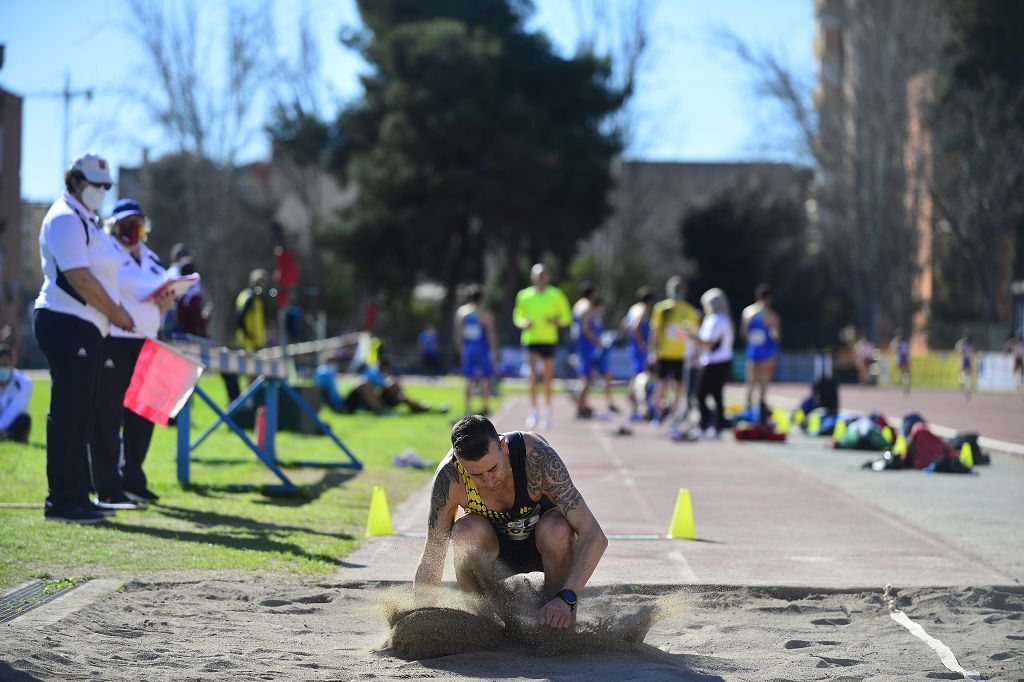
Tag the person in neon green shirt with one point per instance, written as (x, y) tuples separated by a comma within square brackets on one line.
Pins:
[(673, 330), (539, 311)]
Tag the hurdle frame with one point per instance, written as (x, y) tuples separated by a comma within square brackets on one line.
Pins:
[(270, 379)]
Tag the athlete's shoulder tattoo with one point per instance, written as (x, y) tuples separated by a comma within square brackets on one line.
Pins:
[(443, 479), (546, 475)]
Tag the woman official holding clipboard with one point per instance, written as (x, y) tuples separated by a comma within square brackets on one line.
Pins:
[(140, 274)]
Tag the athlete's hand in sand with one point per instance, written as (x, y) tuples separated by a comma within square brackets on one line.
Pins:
[(556, 614)]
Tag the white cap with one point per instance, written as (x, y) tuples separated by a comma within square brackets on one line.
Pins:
[(95, 169)]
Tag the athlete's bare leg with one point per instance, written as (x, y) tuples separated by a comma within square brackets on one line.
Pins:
[(751, 382), (486, 391), (764, 371), (555, 542), (549, 375), (581, 399), (476, 551), (534, 359)]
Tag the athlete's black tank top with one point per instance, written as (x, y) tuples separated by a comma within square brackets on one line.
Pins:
[(518, 522)]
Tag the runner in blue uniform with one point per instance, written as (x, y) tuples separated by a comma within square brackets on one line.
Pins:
[(637, 326), (587, 325), (965, 347), (900, 347), (478, 346), (760, 324)]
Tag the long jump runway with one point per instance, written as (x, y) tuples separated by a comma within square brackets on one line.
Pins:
[(786, 581)]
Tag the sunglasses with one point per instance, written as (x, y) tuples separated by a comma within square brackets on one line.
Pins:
[(132, 221), (104, 185)]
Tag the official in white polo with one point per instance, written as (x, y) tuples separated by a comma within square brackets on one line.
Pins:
[(140, 274), (77, 304)]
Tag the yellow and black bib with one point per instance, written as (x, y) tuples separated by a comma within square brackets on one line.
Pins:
[(518, 522)]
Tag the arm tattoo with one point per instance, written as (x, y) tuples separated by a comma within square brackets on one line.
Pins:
[(439, 494), (549, 476)]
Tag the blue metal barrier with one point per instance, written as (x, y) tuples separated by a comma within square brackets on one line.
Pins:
[(267, 454)]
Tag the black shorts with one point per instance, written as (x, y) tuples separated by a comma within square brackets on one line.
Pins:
[(545, 350), (520, 556), (670, 369)]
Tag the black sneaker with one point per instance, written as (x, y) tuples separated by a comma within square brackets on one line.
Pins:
[(93, 507), (120, 503), (74, 514), (142, 495)]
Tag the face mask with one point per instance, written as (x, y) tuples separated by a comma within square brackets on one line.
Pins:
[(130, 231), (5, 374), (93, 196)]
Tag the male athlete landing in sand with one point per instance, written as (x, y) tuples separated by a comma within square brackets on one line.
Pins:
[(523, 513)]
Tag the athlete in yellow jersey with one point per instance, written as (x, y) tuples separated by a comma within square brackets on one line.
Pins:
[(540, 310), (673, 330), (523, 514)]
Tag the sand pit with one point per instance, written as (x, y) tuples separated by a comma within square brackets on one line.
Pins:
[(262, 629)]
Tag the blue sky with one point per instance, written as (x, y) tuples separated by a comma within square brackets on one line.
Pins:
[(694, 102)]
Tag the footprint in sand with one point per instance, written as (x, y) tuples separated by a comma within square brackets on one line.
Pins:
[(836, 662), (803, 644), (275, 602)]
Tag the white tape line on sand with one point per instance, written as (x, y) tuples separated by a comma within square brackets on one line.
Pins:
[(944, 652)]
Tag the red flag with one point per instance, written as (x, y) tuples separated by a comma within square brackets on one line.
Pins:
[(163, 381)]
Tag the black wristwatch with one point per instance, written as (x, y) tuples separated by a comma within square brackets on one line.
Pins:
[(569, 597)]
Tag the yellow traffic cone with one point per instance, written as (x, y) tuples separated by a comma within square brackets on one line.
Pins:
[(887, 434), (839, 430), (900, 448), (967, 455), (682, 518), (814, 423), (379, 522)]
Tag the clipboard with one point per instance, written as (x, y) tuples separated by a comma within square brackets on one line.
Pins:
[(177, 285)]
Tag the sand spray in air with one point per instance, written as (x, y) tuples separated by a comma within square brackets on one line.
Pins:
[(610, 620)]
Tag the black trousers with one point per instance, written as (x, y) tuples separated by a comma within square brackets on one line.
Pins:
[(712, 383), (231, 386), (74, 351), (105, 446)]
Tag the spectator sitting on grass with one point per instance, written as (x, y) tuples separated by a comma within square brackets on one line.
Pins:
[(15, 392), (376, 389)]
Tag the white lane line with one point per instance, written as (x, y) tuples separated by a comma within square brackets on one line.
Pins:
[(624, 473), (684, 565)]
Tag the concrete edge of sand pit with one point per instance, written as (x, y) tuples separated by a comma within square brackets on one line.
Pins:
[(780, 591), (66, 604)]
